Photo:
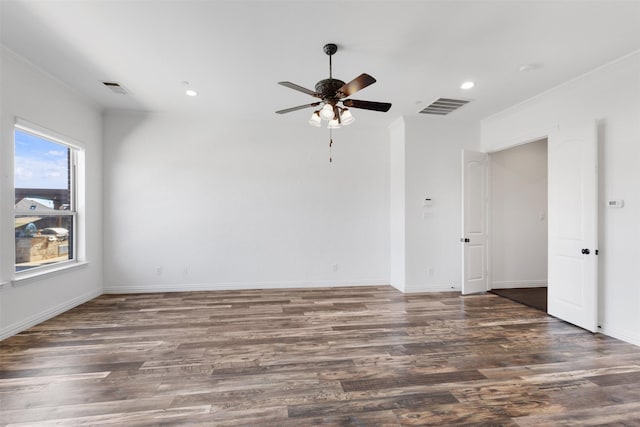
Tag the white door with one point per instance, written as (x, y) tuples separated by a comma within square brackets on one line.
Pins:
[(474, 222), (573, 189)]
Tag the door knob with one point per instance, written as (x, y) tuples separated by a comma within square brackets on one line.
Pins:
[(586, 252)]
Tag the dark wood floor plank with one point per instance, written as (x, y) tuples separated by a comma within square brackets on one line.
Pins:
[(411, 379), (626, 414), (354, 406), (353, 356), (532, 297)]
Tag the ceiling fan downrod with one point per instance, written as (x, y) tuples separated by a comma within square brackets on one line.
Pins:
[(330, 49)]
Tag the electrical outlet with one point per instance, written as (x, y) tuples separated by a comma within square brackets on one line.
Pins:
[(159, 271), (335, 268)]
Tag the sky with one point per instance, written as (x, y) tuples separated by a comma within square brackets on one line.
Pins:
[(39, 163)]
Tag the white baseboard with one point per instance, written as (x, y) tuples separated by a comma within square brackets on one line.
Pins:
[(432, 288), (518, 284), (626, 336), (30, 321), (131, 289)]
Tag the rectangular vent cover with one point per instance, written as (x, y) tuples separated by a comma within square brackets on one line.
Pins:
[(115, 88), (444, 106)]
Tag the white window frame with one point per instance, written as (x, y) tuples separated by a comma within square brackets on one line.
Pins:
[(76, 165)]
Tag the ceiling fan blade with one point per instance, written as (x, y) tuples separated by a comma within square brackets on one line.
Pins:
[(299, 88), (360, 82), (367, 105), (299, 107)]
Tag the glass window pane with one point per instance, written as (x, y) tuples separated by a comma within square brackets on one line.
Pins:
[(43, 240), (43, 188), (42, 173)]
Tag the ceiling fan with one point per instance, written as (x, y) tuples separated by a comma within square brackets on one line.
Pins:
[(331, 93)]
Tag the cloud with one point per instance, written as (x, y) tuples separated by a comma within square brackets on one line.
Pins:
[(39, 163), (22, 173), (33, 172)]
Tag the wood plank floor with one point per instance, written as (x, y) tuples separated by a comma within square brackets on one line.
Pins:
[(365, 356), (532, 297)]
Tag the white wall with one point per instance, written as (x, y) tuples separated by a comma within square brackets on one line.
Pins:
[(220, 203), (518, 206), (432, 169), (610, 95), (32, 95), (397, 255)]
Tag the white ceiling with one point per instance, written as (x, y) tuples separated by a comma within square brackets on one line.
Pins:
[(234, 52)]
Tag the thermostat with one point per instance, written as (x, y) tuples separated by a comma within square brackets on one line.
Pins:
[(616, 203)]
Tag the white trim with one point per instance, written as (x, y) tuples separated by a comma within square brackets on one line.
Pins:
[(31, 321), (44, 132), (81, 96), (559, 86), (128, 289), (4, 285), (29, 276), (398, 288), (508, 284), (76, 158), (43, 213), (621, 335), (523, 139), (431, 288)]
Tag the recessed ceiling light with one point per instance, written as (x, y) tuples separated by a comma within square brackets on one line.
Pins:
[(528, 67), (191, 92), (467, 85)]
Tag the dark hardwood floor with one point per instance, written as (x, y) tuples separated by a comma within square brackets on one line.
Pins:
[(532, 297), (365, 356)]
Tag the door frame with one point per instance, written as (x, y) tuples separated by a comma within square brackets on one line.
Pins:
[(532, 138), (490, 213)]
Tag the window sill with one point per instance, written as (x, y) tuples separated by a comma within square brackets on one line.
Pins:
[(24, 278)]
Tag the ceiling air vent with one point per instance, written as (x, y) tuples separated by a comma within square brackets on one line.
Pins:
[(115, 88), (444, 106)]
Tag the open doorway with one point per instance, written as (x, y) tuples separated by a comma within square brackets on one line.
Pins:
[(518, 207), (571, 233)]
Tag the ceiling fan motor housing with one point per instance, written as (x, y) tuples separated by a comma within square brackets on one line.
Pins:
[(327, 88)]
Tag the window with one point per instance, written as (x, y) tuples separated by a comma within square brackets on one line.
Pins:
[(45, 218)]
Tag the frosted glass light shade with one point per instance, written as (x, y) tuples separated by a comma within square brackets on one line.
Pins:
[(327, 112), (346, 117), (315, 120), (333, 124)]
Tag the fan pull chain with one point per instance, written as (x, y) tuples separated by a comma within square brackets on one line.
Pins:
[(330, 144)]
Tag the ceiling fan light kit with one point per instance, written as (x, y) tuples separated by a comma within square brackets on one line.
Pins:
[(315, 119), (326, 112), (333, 124), (332, 92), (346, 117)]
